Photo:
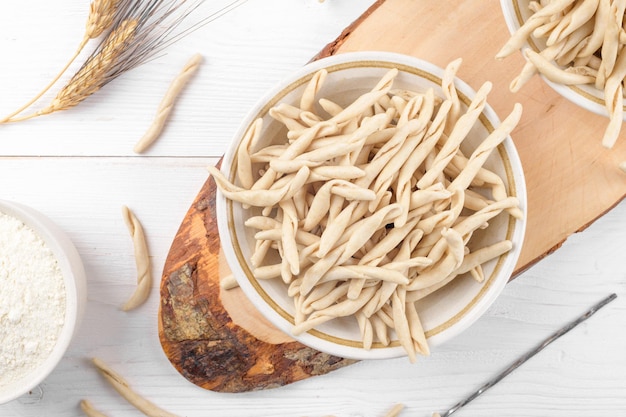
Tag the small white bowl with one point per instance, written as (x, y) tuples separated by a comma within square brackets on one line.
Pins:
[(74, 279), (444, 313), (587, 96)]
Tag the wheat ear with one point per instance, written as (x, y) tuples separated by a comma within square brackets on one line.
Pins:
[(101, 16), (93, 74)]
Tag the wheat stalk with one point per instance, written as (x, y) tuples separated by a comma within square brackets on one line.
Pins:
[(139, 30), (93, 74), (101, 17)]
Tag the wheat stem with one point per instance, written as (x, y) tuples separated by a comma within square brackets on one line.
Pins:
[(139, 31), (49, 85), (101, 16), (92, 75)]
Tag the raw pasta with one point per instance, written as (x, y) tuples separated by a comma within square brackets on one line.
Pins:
[(584, 45), (167, 103), (371, 206), (120, 385), (89, 410), (142, 261)]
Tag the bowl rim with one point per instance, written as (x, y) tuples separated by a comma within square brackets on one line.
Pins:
[(573, 93), (74, 280), (486, 295)]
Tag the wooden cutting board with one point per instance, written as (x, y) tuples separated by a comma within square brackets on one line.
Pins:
[(571, 179)]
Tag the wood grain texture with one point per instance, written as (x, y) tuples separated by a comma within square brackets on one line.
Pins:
[(197, 333), (572, 180)]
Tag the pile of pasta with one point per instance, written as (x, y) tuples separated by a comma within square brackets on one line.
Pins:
[(584, 45), (371, 206)]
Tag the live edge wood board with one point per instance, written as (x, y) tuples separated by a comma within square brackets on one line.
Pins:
[(571, 179)]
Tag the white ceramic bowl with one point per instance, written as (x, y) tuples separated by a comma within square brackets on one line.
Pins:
[(73, 273), (446, 312), (515, 13)]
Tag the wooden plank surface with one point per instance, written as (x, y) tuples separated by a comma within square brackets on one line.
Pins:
[(199, 336), (571, 179)]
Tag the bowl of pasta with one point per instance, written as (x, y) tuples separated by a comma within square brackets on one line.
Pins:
[(575, 46), (372, 205)]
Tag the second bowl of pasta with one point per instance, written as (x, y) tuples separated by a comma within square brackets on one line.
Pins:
[(576, 47), (372, 205)]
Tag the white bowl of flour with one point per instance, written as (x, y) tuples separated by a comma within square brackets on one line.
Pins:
[(42, 297)]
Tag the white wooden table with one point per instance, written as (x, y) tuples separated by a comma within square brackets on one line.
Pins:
[(78, 168)]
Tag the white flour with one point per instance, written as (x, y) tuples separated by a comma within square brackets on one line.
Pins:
[(32, 300)]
